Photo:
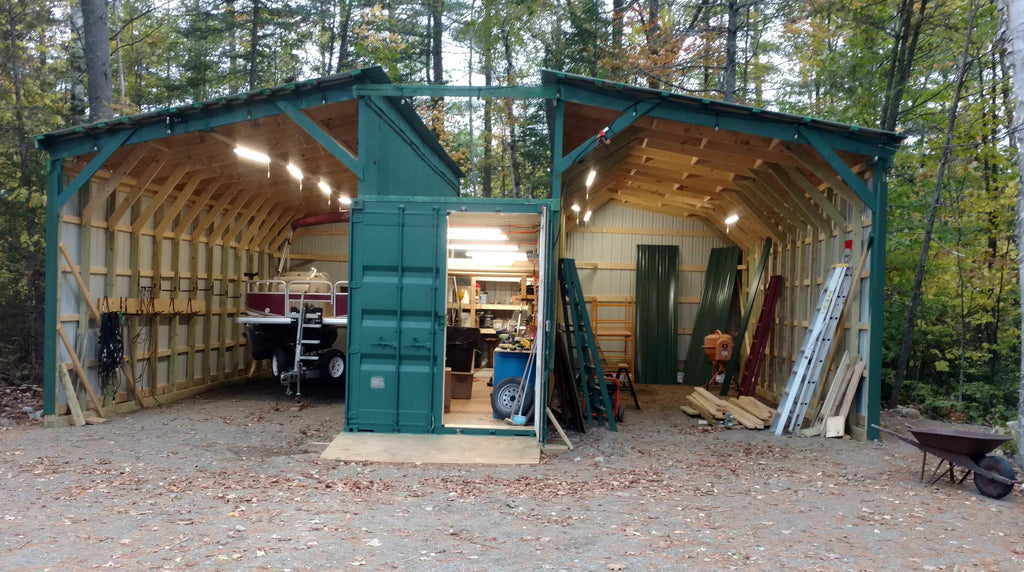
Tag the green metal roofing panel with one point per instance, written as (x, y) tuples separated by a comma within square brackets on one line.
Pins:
[(239, 108), (713, 312), (550, 77), (657, 287)]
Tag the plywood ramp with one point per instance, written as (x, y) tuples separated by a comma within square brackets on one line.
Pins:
[(435, 449)]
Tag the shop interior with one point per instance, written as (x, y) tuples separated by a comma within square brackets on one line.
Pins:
[(494, 279)]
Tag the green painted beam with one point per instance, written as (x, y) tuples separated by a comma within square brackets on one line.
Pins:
[(109, 147), (409, 90), (824, 148), (628, 117), (556, 151), (876, 293), (185, 120), (762, 124), (54, 181), (321, 137)]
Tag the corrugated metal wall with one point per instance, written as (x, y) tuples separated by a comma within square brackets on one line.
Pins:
[(325, 247), (608, 241)]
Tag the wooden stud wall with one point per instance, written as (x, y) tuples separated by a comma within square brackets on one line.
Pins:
[(188, 235)]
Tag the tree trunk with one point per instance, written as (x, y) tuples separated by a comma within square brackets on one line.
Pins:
[(653, 33), (254, 30), (1013, 11), (902, 62), (618, 13), (15, 63), (346, 23), (96, 34), (436, 37), (513, 146), (77, 66), (487, 169), (730, 51), (940, 175)]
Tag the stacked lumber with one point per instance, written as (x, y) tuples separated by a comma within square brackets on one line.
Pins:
[(746, 411), (831, 418)]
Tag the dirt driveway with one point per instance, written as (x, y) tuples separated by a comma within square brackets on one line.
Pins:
[(223, 482)]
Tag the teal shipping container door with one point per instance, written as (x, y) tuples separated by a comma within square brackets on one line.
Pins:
[(396, 316), (657, 286)]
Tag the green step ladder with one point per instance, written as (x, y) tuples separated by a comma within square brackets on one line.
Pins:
[(597, 404)]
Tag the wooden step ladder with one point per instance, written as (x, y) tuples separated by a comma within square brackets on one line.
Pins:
[(762, 332), (589, 375)]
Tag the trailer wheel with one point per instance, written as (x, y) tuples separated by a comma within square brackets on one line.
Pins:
[(503, 398), (990, 487), (332, 365), (279, 363)]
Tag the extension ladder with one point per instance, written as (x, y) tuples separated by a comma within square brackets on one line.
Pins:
[(817, 341), (765, 322), (597, 404)]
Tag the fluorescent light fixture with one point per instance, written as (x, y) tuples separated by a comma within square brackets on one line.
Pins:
[(586, 216), (476, 233), (484, 247), (324, 187), (731, 219), (295, 172), (498, 257), (252, 155), (575, 208), (344, 199), (591, 176)]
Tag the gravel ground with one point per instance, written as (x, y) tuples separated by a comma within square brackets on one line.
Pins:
[(224, 482)]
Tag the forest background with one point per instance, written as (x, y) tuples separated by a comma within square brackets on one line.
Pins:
[(935, 70)]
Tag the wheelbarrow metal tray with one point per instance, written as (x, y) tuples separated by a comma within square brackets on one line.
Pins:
[(971, 443)]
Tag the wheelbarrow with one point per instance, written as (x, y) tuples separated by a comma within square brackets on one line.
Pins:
[(966, 449)]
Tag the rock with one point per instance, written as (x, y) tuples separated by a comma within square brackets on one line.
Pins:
[(27, 409), (239, 528), (909, 413)]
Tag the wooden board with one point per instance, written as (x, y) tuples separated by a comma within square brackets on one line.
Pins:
[(689, 410), (140, 306), (72, 397), (835, 426), (433, 449)]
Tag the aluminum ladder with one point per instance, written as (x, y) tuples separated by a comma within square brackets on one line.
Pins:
[(306, 320), (597, 404), (817, 342)]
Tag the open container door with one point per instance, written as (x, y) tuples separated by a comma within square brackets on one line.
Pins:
[(539, 387), (397, 312)]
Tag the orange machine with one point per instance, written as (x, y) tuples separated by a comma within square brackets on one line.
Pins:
[(718, 347)]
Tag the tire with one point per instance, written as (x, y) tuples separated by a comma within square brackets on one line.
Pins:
[(619, 414), (503, 398), (990, 487), (280, 363), (331, 366)]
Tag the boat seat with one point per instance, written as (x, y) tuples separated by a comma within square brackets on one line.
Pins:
[(307, 288)]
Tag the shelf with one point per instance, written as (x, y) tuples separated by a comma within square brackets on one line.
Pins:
[(501, 306)]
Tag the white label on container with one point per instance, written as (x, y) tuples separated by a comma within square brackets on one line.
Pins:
[(377, 382)]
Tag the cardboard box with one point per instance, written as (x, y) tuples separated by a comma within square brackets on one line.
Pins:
[(462, 385)]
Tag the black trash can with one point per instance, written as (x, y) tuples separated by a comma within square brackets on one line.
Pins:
[(460, 343)]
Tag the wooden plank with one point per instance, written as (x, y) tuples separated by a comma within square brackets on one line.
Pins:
[(750, 409), (796, 177), (645, 231), (82, 288), (432, 449), (835, 427), (72, 396), (79, 369), (702, 409), (689, 410), (146, 306), (851, 391), (743, 416), (551, 418), (158, 200), (133, 196), (110, 185)]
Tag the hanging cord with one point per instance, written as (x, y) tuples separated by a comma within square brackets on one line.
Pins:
[(111, 352)]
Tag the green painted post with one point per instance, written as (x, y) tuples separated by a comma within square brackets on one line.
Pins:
[(877, 293), (556, 152), (54, 182)]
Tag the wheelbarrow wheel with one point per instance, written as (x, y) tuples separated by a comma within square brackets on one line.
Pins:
[(991, 487)]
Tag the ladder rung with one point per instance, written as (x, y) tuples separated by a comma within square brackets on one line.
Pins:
[(309, 341), (307, 358)]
